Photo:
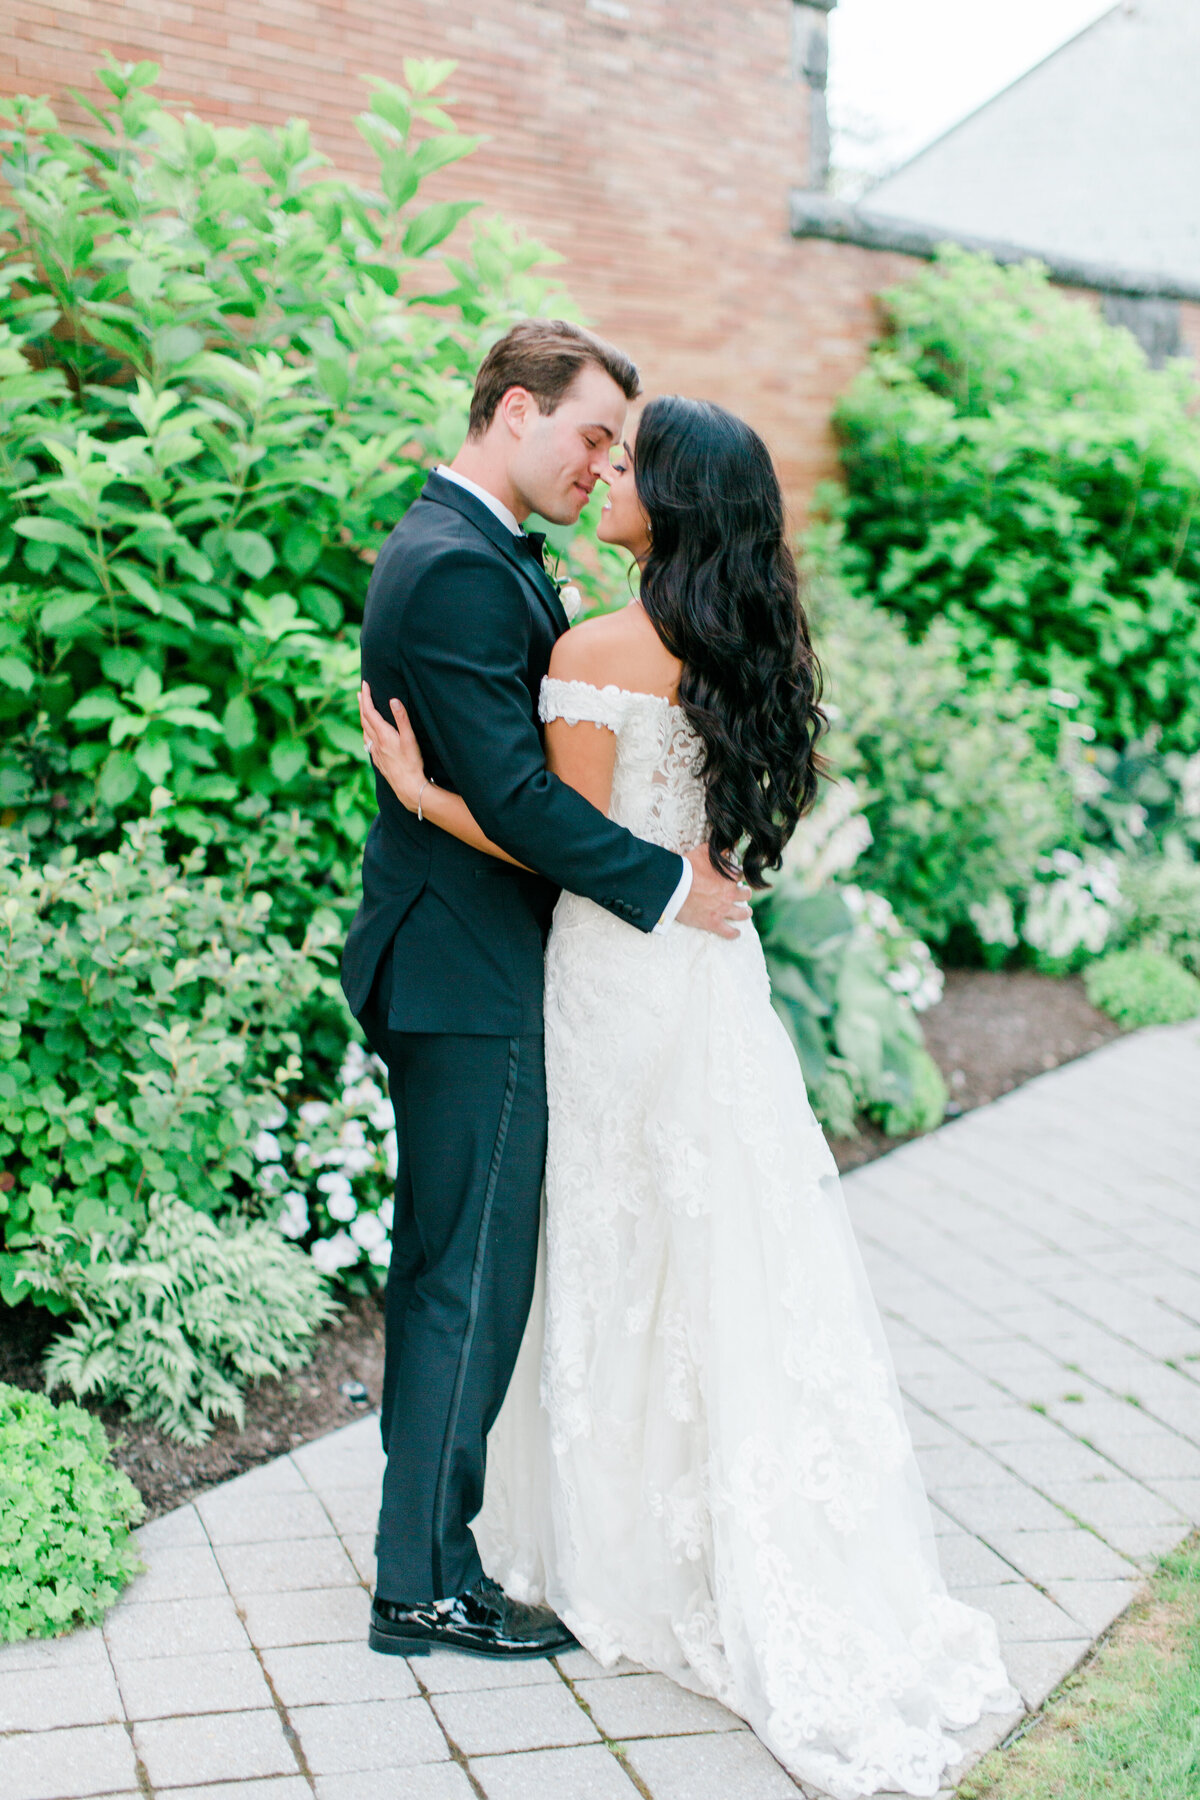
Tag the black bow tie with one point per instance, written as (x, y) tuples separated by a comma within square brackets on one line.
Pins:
[(534, 544)]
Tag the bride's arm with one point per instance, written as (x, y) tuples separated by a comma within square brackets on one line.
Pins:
[(397, 756), (582, 755)]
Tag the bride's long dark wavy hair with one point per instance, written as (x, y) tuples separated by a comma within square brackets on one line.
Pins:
[(721, 589)]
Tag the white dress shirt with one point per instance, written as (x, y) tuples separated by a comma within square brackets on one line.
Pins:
[(671, 911)]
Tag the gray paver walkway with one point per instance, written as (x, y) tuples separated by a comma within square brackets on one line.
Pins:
[(1038, 1264)]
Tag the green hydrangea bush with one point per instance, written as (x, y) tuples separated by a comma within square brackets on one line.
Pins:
[(849, 980), (1142, 987), (177, 1319), (147, 1032), (960, 781), (1015, 468), (65, 1517), (224, 371), (1160, 906)]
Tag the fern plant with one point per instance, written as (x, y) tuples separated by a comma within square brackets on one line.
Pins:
[(178, 1321)]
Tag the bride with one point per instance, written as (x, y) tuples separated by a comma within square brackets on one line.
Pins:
[(702, 1463)]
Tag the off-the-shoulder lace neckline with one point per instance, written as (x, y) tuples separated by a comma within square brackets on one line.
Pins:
[(610, 688)]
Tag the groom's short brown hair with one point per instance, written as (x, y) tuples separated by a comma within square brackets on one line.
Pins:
[(544, 356)]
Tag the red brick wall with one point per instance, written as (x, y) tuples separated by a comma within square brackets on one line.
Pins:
[(656, 153)]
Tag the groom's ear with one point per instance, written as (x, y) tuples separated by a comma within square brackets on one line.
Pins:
[(517, 406)]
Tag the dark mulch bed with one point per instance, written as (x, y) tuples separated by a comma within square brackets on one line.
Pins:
[(990, 1033)]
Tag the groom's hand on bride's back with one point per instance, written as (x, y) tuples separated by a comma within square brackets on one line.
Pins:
[(715, 903)]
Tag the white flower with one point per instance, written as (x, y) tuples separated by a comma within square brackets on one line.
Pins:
[(1189, 788), (293, 1221), (363, 1094), (1076, 912), (368, 1231), (355, 1064), (276, 1117), (905, 979), (391, 1155), (386, 1213), (381, 1117), (929, 992), (353, 1134), (572, 602), (334, 1183), (879, 911), (271, 1178), (357, 1162), (993, 920), (334, 1253), (314, 1112), (266, 1147), (381, 1255), (830, 840), (1061, 697)]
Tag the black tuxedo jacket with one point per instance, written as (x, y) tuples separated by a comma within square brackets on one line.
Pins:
[(460, 621)]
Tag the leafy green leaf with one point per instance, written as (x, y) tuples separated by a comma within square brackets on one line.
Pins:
[(15, 672), (288, 757), (118, 779), (135, 582), (53, 531), (61, 614), (434, 223), (239, 723), (95, 706), (252, 552), (302, 547)]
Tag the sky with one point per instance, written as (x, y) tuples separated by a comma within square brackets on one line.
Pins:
[(902, 71)]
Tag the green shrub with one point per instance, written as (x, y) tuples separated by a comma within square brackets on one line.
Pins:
[(1142, 987), (960, 799), (65, 1513), (1140, 797), (224, 371), (176, 1320), (1160, 906), (1016, 469), (848, 981), (147, 1031)]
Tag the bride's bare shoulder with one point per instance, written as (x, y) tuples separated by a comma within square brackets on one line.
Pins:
[(618, 649)]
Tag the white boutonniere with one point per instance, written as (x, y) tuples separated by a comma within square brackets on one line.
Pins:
[(571, 600)]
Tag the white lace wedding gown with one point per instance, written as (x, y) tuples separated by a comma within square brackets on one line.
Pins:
[(704, 1467)]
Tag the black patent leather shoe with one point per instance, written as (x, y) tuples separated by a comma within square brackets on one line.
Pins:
[(481, 1622)]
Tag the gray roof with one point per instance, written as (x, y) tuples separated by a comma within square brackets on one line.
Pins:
[(1093, 155)]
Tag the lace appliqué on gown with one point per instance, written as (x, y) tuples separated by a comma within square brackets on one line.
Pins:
[(702, 1462)]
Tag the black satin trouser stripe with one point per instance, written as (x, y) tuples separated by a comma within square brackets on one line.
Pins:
[(441, 1523)]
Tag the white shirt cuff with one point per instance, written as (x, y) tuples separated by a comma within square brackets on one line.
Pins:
[(671, 910)]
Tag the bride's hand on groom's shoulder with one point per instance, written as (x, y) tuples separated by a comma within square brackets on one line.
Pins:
[(393, 750)]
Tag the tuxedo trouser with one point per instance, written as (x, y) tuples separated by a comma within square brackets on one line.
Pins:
[(471, 1140)]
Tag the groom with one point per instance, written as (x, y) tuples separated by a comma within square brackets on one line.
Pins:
[(443, 963)]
